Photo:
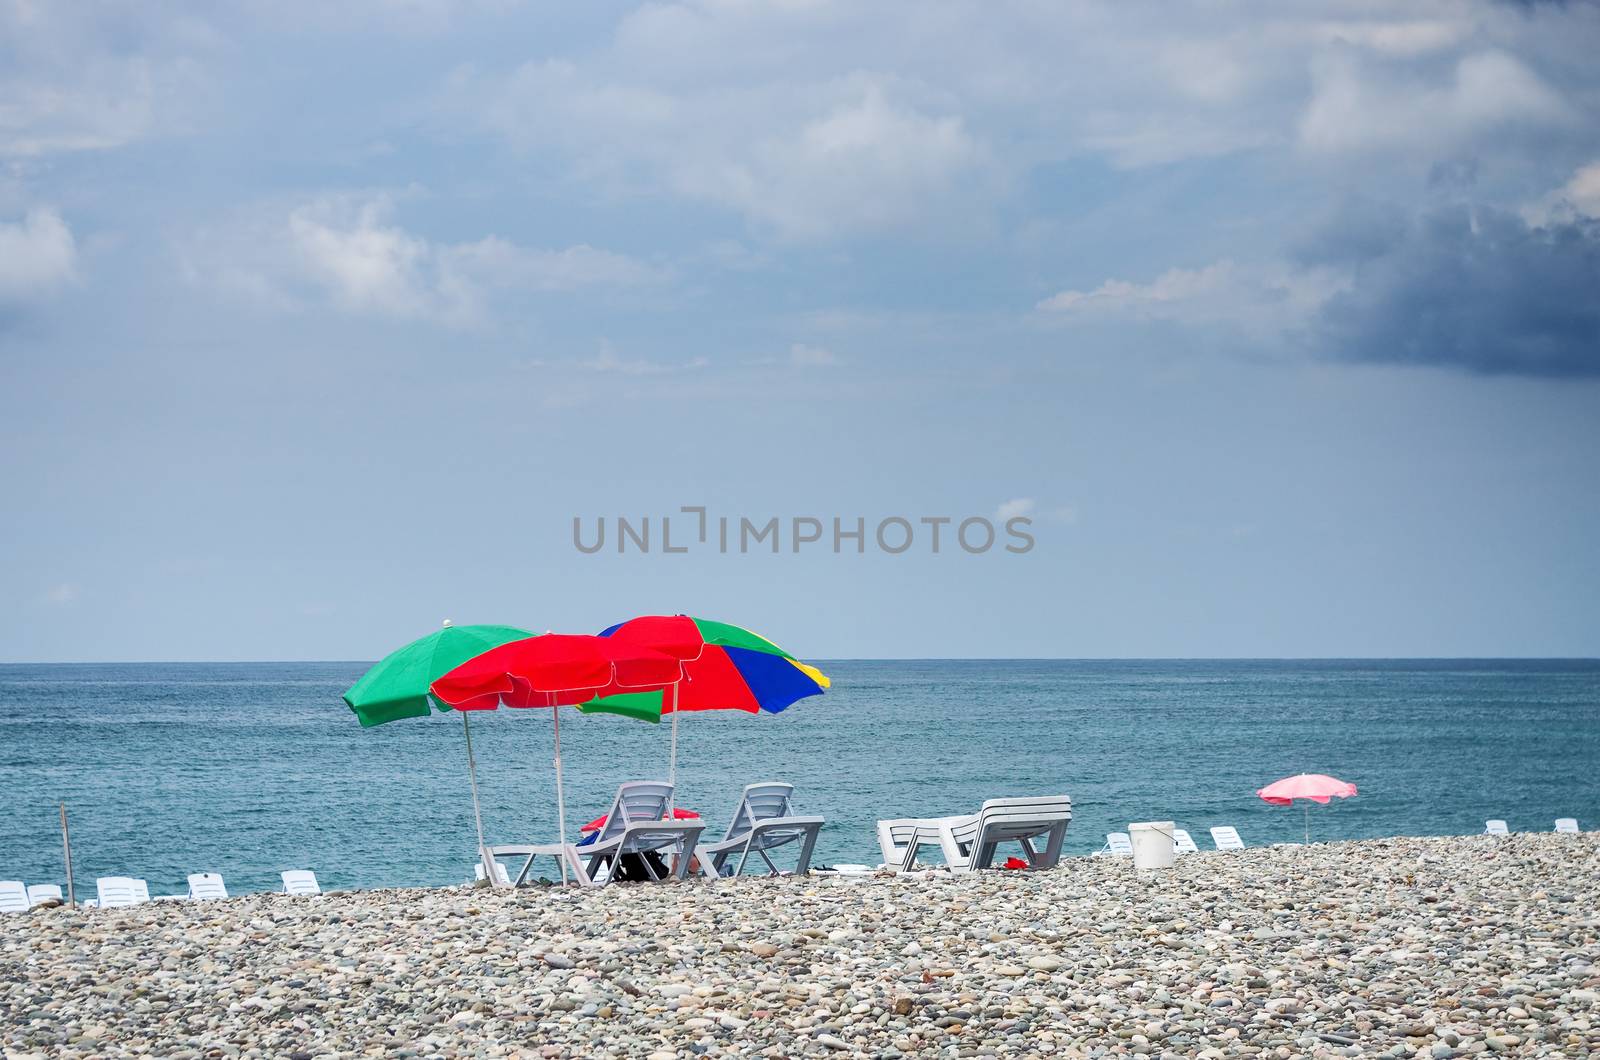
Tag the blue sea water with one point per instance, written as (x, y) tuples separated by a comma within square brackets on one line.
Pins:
[(248, 769)]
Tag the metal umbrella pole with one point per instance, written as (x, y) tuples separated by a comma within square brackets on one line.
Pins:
[(561, 801), (477, 810)]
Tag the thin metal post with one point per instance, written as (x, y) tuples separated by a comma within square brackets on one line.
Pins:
[(66, 849), (561, 801), (672, 763), (477, 811), (1307, 808)]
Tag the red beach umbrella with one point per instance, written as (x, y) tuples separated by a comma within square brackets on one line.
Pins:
[(554, 670), (1312, 787)]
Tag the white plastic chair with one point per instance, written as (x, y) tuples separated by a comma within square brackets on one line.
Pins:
[(1226, 837), (1118, 845), (1183, 842), (300, 882), (501, 877), (206, 887), (900, 839), (1495, 827), (1018, 820), (13, 896), (635, 825), (117, 891), (762, 822), (42, 894), (1568, 825)]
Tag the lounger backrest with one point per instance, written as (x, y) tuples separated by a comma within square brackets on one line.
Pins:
[(1226, 837), (1567, 824), (895, 835), (40, 893), (117, 891), (1022, 818), (637, 801), (502, 878), (1119, 844), (13, 896), (1184, 842), (300, 881), (760, 802), (206, 887), (1495, 827)]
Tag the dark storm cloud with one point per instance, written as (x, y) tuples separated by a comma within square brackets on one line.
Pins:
[(1471, 288)]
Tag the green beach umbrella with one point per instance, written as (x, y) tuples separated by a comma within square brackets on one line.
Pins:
[(397, 687)]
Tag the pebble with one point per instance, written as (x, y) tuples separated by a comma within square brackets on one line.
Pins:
[(1414, 949)]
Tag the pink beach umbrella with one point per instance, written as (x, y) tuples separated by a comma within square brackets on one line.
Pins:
[(1313, 787)]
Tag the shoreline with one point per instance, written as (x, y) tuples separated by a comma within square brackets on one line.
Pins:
[(1429, 947)]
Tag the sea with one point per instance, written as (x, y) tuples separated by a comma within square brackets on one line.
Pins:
[(248, 769)]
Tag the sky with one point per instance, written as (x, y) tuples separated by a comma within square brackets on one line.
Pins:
[(1278, 324)]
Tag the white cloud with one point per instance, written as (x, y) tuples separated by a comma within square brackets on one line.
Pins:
[(805, 356), (1012, 509), (607, 362), (37, 255), (348, 251), (61, 595), (1578, 197), (1255, 298), (1364, 105)]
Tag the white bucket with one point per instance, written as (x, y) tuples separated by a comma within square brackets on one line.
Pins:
[(1153, 845)]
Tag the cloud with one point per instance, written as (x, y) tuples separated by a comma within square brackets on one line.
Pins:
[(347, 251), (1474, 288), (38, 255), (1578, 197), (1362, 104), (1263, 299), (607, 362), (804, 356), (61, 595), (1012, 509)]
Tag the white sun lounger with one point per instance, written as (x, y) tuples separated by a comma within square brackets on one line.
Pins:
[(1495, 827), (1118, 845), (13, 896), (206, 887), (300, 882), (501, 877), (762, 822), (116, 891), (43, 894), (1183, 842), (901, 838), (1567, 825), (635, 825), (1013, 820), (1226, 837)]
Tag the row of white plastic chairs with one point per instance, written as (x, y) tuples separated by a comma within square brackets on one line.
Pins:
[(1226, 837), (1565, 825), (117, 891)]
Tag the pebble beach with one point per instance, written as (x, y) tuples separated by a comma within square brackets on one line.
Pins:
[(1405, 947)]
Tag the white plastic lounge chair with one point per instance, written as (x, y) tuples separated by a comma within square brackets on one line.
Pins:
[(115, 891), (762, 822), (1227, 837), (300, 882), (1495, 827), (501, 877), (206, 887), (901, 838), (43, 894), (634, 825), (1183, 842), (1118, 845), (1018, 820), (1567, 825), (13, 896)]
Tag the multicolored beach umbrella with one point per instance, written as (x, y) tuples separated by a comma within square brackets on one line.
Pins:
[(725, 667)]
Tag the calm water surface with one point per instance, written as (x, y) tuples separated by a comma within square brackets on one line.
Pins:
[(248, 769)]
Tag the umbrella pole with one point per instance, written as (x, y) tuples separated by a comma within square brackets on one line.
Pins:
[(1307, 809), (672, 762), (561, 801), (477, 811)]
